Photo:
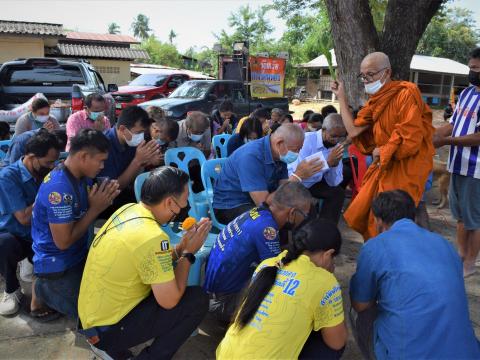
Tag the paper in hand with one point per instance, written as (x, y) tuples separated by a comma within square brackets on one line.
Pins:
[(318, 155)]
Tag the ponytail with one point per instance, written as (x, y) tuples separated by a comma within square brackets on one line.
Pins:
[(264, 280)]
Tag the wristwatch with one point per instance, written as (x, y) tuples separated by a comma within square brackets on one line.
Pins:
[(190, 257)]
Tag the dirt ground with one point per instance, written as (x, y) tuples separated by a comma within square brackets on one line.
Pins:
[(23, 338)]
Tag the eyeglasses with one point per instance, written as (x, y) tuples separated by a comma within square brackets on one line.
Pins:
[(369, 76)]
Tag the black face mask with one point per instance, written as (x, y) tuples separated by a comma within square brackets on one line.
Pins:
[(474, 77), (42, 171), (181, 216), (328, 144)]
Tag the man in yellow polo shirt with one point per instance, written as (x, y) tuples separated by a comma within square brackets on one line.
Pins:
[(130, 292)]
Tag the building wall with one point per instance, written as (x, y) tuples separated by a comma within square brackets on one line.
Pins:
[(13, 47), (113, 71)]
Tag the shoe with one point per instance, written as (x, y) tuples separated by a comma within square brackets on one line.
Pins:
[(10, 303), (26, 270), (100, 354)]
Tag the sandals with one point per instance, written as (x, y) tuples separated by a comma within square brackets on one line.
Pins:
[(45, 315)]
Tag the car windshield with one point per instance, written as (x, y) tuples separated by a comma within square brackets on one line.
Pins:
[(191, 90), (149, 80), (44, 76)]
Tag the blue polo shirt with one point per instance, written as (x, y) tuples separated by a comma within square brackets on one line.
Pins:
[(251, 168), (18, 189), (119, 156), (239, 248), (57, 203), (17, 148), (416, 277)]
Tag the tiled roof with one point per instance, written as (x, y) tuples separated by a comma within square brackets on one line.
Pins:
[(101, 37), (31, 28), (93, 51)]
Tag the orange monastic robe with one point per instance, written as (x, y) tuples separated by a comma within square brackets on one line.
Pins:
[(401, 127)]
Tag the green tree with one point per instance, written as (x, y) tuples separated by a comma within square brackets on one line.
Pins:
[(114, 28), (162, 53), (172, 35), (451, 34), (141, 27)]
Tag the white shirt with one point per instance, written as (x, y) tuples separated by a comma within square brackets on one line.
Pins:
[(312, 144)]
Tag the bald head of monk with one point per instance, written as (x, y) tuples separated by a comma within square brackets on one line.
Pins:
[(375, 71), (287, 138)]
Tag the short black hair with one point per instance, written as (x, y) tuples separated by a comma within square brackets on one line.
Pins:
[(133, 114), (39, 103), (4, 130), (91, 140), (289, 117), (328, 109), (315, 117), (225, 105), (41, 142), (172, 129), (251, 125), (163, 182), (391, 206), (475, 53), (306, 115), (261, 113), (62, 138), (93, 96)]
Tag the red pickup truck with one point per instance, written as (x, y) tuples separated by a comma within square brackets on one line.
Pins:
[(150, 86)]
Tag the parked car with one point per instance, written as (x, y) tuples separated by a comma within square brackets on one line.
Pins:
[(205, 95), (146, 87), (66, 80)]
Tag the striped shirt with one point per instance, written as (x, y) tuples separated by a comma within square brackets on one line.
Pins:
[(464, 160)]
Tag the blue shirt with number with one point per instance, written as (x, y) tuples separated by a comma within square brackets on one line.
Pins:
[(57, 203), (239, 248)]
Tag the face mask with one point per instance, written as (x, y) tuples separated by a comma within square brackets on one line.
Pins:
[(42, 171), (374, 87), (289, 157), (42, 118), (136, 139), (160, 142), (94, 115), (182, 214), (474, 78), (195, 137), (311, 128)]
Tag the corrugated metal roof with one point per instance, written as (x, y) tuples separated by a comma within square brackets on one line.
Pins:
[(31, 28), (155, 69), (102, 37), (93, 51), (418, 63)]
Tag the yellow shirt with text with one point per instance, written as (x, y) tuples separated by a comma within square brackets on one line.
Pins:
[(304, 298), (129, 253)]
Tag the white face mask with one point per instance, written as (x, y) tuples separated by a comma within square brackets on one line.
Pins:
[(136, 139), (374, 87), (195, 137), (42, 118)]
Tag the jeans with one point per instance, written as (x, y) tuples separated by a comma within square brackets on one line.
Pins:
[(332, 196), (362, 325), (223, 306), (12, 250), (225, 216), (148, 320), (59, 291), (315, 348)]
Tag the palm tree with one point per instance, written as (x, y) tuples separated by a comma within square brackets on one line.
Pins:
[(114, 28), (141, 27), (172, 35)]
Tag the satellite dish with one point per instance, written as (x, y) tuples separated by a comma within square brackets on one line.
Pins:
[(283, 55)]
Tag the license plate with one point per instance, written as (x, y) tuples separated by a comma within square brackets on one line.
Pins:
[(118, 106)]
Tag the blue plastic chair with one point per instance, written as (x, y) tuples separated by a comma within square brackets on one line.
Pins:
[(181, 158), (210, 171), (219, 144), (2, 144), (195, 275)]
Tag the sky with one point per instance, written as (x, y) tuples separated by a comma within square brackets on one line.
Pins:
[(194, 21)]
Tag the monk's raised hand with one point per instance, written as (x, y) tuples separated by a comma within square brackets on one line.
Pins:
[(338, 89)]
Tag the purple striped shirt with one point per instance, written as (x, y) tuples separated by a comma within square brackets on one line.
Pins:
[(464, 160)]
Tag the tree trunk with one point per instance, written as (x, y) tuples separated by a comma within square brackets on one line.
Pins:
[(405, 22), (355, 36)]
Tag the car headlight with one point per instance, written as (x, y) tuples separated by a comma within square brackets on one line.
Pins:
[(169, 112), (139, 96)]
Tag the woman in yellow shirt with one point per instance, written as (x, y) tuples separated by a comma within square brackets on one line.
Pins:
[(293, 307)]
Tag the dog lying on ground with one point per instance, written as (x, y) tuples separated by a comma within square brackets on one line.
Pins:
[(442, 176)]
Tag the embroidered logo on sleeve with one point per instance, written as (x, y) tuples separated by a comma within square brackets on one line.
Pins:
[(54, 198), (67, 199), (270, 233)]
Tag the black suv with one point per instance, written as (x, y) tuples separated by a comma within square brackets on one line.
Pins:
[(67, 80)]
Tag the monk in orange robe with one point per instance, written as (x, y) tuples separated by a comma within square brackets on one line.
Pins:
[(395, 127)]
